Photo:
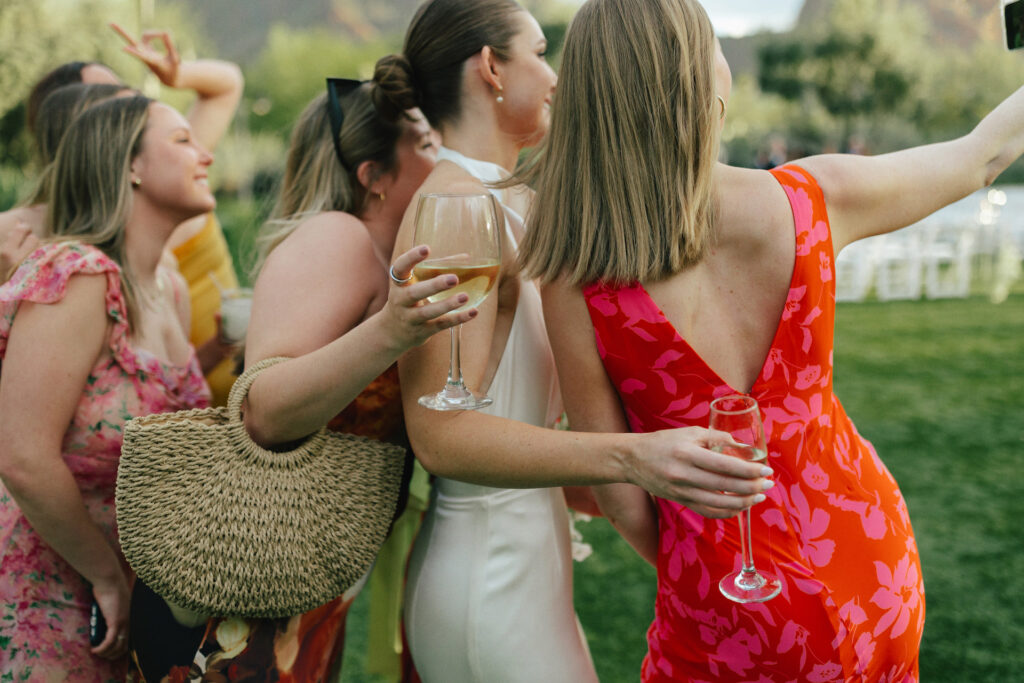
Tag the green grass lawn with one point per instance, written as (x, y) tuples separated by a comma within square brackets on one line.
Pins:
[(936, 386)]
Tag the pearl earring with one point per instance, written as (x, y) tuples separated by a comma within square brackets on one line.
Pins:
[(500, 98), (136, 181)]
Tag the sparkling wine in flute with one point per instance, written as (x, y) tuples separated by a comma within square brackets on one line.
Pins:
[(476, 276), (740, 416)]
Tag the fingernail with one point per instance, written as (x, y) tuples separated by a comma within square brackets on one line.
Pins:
[(451, 280), (463, 298), (759, 498), (767, 485), (472, 314), (423, 251), (767, 471)]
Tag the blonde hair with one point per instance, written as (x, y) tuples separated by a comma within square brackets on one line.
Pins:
[(91, 192), (314, 179), (624, 176)]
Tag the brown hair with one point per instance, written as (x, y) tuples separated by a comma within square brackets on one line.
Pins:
[(623, 178), (443, 34), (91, 192), (65, 74), (314, 178), (55, 114)]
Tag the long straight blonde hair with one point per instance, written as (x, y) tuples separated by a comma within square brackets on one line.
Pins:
[(624, 176), (91, 192)]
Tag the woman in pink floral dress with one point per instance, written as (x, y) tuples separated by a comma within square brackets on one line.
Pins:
[(92, 333), (673, 280)]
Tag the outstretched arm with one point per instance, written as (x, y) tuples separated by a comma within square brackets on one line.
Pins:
[(217, 83), (873, 195)]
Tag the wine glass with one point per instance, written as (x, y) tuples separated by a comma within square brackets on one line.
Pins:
[(741, 417), (464, 237)]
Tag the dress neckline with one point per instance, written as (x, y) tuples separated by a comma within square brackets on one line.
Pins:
[(778, 325)]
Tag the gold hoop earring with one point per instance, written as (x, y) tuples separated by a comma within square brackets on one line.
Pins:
[(722, 101), (381, 195)]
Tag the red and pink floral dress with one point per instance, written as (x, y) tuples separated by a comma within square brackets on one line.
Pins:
[(44, 603), (834, 529)]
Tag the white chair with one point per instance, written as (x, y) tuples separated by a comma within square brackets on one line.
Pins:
[(947, 252), (855, 267), (898, 270)]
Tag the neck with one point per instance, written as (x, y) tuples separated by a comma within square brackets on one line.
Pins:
[(382, 220), (146, 235), (478, 136)]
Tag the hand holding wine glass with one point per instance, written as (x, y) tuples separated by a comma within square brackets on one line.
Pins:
[(464, 237), (740, 416)]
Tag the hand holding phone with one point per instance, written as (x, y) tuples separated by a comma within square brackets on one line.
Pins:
[(97, 625)]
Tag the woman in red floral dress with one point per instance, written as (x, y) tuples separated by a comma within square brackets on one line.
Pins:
[(672, 280)]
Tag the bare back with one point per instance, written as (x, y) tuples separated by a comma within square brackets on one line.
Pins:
[(728, 306)]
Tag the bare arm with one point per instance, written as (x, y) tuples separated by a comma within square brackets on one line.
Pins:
[(312, 303), (873, 195), (44, 373), (593, 406), (218, 84)]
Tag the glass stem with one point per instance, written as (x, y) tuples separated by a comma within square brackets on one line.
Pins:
[(454, 383), (745, 549)]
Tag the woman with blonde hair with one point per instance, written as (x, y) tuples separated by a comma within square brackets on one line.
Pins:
[(322, 298), (489, 593), (672, 280), (92, 333), (198, 247)]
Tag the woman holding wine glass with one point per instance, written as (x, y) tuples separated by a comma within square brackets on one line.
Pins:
[(489, 594), (676, 280), (322, 297)]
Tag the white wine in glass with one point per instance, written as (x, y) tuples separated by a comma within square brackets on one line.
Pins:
[(740, 416), (464, 237)]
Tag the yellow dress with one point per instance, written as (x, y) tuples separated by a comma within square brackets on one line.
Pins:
[(203, 253)]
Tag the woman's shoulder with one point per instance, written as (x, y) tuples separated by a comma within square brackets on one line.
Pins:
[(330, 242)]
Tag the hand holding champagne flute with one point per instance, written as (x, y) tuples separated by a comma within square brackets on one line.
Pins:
[(740, 416), (464, 237)]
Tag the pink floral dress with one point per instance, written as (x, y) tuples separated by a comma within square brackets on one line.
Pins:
[(44, 603), (834, 529)]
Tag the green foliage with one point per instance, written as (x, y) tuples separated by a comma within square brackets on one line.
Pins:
[(291, 70), (870, 69)]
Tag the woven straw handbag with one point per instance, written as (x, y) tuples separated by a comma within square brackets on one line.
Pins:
[(217, 525)]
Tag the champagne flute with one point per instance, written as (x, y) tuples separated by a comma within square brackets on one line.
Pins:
[(741, 417), (464, 237)]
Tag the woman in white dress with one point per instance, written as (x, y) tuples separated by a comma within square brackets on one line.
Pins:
[(489, 593)]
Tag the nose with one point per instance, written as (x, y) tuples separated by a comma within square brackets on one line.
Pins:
[(205, 156)]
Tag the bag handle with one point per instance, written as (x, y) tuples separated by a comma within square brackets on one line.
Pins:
[(244, 446), (240, 389)]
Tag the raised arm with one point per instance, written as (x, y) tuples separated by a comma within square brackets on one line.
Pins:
[(218, 84), (311, 303), (50, 352), (873, 195)]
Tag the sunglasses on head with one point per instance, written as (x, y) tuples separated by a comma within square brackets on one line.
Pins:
[(338, 88)]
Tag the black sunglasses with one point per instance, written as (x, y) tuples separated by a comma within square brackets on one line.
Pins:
[(337, 88)]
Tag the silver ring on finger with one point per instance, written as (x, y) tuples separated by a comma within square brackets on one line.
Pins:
[(397, 280)]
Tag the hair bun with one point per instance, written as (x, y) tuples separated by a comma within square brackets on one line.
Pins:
[(394, 86)]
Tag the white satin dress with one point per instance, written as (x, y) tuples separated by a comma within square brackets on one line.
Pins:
[(489, 591)]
